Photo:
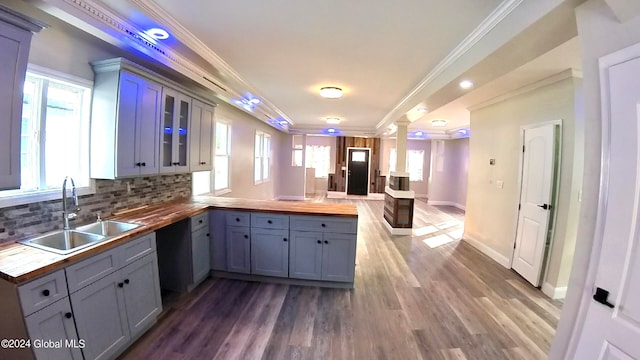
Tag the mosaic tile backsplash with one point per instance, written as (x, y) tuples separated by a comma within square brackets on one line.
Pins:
[(17, 222)]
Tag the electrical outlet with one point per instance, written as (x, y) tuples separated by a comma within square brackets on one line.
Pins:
[(128, 187), (500, 184)]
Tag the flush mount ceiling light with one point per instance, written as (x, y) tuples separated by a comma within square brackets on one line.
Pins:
[(157, 33), (466, 84), (438, 122), (333, 120), (331, 92)]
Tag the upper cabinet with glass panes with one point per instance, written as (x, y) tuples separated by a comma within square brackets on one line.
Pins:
[(176, 120)]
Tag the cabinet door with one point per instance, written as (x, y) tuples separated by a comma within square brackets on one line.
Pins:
[(238, 249), (338, 257), (176, 116), (181, 134), (218, 240), (55, 322), (201, 137), (148, 128), (169, 108), (13, 62), (305, 255), (141, 293), (101, 318), (200, 254), (270, 252), (130, 90)]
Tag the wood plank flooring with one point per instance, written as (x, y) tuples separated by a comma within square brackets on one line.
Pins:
[(426, 296)]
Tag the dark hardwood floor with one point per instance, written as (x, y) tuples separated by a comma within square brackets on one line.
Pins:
[(426, 296)]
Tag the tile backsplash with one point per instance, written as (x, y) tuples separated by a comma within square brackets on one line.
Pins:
[(21, 221)]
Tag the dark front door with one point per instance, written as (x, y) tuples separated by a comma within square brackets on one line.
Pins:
[(357, 171)]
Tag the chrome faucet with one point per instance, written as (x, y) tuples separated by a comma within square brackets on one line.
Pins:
[(66, 215)]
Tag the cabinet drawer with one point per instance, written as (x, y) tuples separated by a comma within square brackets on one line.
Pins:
[(135, 249), (42, 292), (269, 221), (238, 218), (87, 271), (199, 221), (324, 223)]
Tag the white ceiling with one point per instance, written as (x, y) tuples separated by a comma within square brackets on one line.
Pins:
[(389, 57)]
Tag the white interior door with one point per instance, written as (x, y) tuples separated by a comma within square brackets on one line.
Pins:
[(535, 201), (612, 331)]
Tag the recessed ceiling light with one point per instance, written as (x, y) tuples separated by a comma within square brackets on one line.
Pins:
[(331, 92), (157, 33), (438, 122), (422, 109), (333, 121), (255, 101), (331, 130), (466, 84), (284, 122), (419, 133), (462, 131)]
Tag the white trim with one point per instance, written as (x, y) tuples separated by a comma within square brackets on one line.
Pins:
[(554, 292), (496, 256), (397, 231), (46, 195), (60, 76), (346, 182), (400, 194), (291, 197), (222, 192), (448, 203)]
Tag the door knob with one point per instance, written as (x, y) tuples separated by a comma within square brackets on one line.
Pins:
[(545, 206)]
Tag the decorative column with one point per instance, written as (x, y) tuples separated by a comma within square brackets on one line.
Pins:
[(398, 198)]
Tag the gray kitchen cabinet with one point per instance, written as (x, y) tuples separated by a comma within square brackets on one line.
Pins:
[(270, 252), (305, 260), (141, 294), (200, 254), (55, 322), (15, 39), (322, 256), (125, 122), (201, 137), (338, 257), (175, 129), (101, 317), (238, 249), (218, 249)]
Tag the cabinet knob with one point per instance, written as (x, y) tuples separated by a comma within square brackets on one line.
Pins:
[(207, 234), (120, 285), (246, 236), (237, 219), (203, 163), (68, 315), (126, 281), (144, 164), (269, 222), (200, 221), (319, 241), (285, 239), (326, 242), (324, 225), (46, 292), (138, 164)]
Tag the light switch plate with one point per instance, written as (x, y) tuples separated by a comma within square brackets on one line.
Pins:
[(500, 184)]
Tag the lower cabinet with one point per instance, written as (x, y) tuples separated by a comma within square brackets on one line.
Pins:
[(270, 252), (322, 256), (117, 308), (55, 322), (238, 249), (200, 254)]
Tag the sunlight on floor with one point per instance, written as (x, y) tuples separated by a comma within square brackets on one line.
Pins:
[(424, 230), (456, 234), (439, 240), (447, 224)]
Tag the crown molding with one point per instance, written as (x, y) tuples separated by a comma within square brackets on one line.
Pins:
[(156, 12), (497, 15), (563, 75)]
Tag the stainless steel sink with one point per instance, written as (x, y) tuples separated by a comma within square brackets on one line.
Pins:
[(64, 241), (108, 227)]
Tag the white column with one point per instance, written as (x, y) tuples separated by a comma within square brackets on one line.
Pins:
[(401, 147)]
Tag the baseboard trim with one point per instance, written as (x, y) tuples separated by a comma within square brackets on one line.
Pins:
[(496, 256), (396, 231), (291, 197), (448, 203), (554, 292)]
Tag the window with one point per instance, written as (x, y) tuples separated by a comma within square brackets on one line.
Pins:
[(415, 163), (296, 153), (319, 158), (223, 152), (201, 182), (54, 135), (262, 151)]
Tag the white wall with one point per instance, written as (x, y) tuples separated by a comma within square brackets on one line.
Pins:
[(600, 34), (243, 130), (448, 181), (491, 212), (291, 178), (421, 188)]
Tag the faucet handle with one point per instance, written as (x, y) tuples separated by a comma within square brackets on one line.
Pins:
[(98, 218)]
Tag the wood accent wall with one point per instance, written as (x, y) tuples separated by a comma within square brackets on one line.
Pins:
[(337, 181)]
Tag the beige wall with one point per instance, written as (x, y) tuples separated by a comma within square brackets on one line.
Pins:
[(448, 182), (600, 34), (421, 188), (243, 129), (290, 178), (492, 212)]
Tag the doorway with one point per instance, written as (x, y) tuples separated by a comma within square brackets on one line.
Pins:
[(358, 160), (538, 179)]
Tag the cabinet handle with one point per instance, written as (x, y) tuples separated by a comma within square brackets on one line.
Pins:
[(46, 292), (324, 225), (246, 236), (285, 239), (203, 163), (319, 241), (326, 242), (269, 222), (120, 285), (126, 281), (68, 315)]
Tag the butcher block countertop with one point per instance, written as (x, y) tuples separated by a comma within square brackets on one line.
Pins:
[(20, 263)]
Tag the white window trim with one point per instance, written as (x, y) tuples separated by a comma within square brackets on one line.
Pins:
[(213, 173), (14, 198), (262, 156)]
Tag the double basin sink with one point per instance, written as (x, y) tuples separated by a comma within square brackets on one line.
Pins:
[(67, 241)]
